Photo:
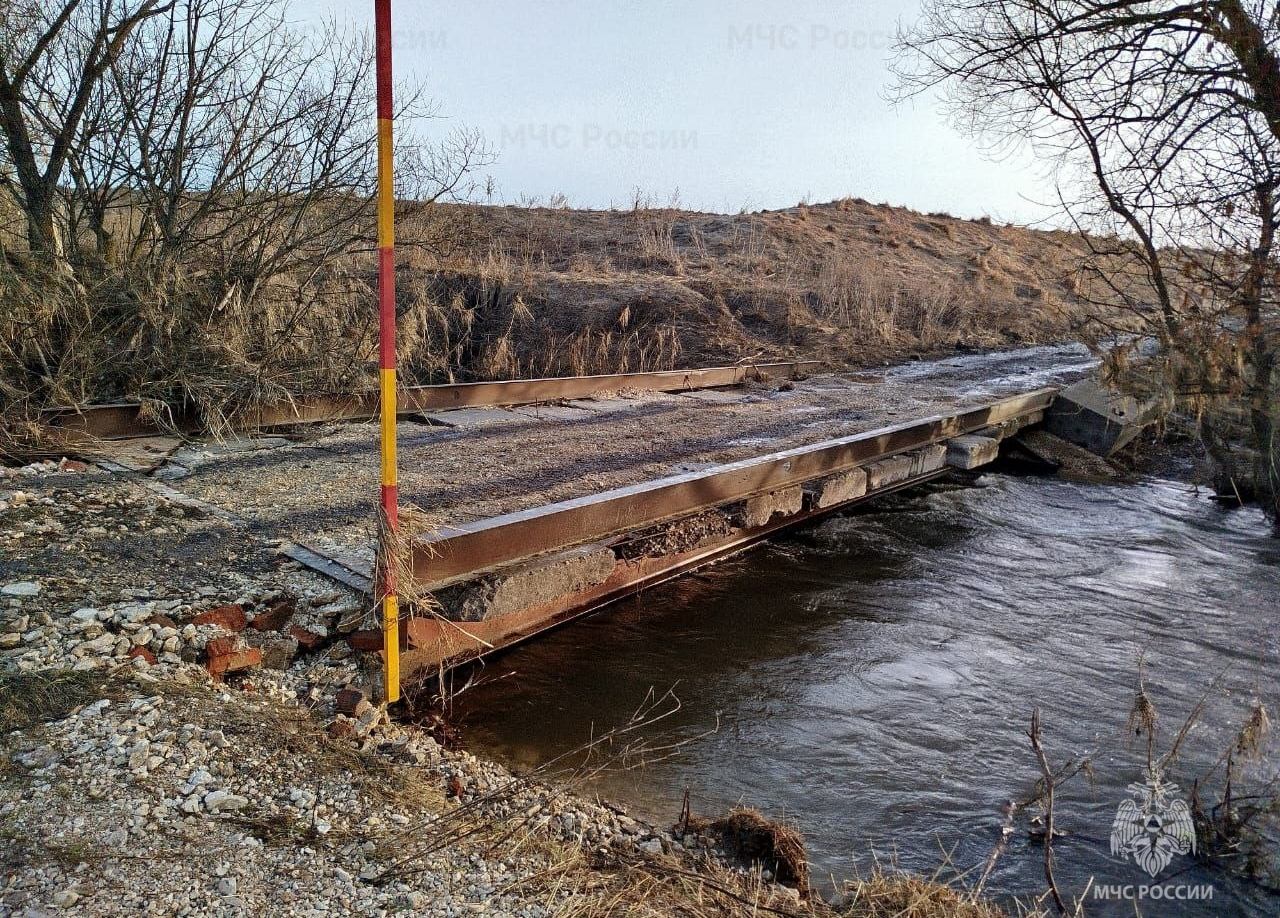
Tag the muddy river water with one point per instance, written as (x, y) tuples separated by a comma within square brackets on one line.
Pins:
[(871, 679)]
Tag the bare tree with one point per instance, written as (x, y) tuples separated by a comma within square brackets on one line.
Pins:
[(52, 59), (1162, 119), (203, 171)]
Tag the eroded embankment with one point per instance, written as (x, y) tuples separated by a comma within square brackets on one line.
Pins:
[(228, 750), (140, 779)]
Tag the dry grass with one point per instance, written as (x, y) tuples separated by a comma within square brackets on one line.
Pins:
[(895, 894), (928, 312), (576, 883), (27, 699), (505, 292), (848, 281)]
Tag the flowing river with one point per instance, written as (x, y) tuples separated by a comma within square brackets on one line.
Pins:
[(871, 679)]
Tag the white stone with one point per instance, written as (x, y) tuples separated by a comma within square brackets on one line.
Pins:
[(221, 801), (21, 588)]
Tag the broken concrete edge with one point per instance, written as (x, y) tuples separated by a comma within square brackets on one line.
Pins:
[(541, 580), (527, 585), (436, 645), (762, 509), (1098, 418), (971, 451), (837, 489)]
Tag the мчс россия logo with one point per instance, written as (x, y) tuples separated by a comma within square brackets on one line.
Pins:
[(1153, 825)]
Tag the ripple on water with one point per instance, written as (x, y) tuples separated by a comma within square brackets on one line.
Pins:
[(873, 676)]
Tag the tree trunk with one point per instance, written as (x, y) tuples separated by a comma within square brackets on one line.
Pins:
[(1263, 426), (44, 237), (1259, 390)]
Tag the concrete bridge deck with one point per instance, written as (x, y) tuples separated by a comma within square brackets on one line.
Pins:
[(523, 517), (319, 484)]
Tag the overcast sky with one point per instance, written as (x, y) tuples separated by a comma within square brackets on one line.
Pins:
[(735, 104)]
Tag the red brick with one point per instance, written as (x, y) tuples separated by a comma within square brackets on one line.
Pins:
[(274, 617), (162, 620), (72, 465), (351, 702), (307, 640), (225, 656), (220, 647), (234, 662), (369, 641), (145, 654), (230, 617)]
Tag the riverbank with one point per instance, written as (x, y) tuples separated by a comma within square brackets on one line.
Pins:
[(525, 292), (180, 735)]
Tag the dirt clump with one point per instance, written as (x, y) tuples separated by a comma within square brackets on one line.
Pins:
[(752, 838), (677, 537)]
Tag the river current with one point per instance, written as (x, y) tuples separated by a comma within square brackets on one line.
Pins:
[(871, 678)]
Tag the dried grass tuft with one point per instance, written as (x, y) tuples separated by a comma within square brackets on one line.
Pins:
[(27, 699), (887, 893), (757, 840)]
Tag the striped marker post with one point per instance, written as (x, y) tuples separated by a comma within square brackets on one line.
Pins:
[(387, 347)]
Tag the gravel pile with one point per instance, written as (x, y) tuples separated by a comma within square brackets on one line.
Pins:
[(143, 807), (273, 789)]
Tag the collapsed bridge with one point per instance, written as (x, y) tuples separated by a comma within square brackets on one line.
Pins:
[(528, 511)]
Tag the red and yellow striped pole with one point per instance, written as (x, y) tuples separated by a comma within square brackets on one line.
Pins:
[(387, 345)]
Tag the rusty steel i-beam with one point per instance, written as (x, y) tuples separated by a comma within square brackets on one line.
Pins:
[(131, 419), (461, 551)]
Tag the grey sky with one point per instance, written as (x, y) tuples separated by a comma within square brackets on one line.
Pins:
[(736, 104)]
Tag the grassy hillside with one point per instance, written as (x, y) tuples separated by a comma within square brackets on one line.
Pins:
[(547, 291), (501, 292)]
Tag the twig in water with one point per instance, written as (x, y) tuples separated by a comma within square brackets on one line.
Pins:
[(1049, 780), (1006, 832)]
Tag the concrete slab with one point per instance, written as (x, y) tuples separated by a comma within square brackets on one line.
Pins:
[(142, 454), (472, 417), (717, 396), (761, 509), (928, 459), (971, 452), (605, 405), (529, 584), (1100, 419), (838, 488), (181, 462), (886, 472), (551, 412)]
